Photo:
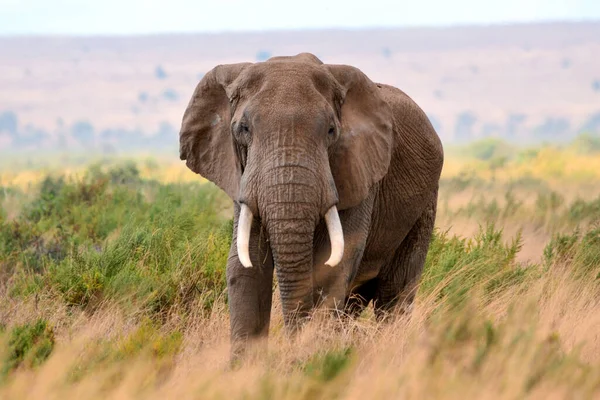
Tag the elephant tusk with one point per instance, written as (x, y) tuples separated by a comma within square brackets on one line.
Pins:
[(243, 236), (336, 236)]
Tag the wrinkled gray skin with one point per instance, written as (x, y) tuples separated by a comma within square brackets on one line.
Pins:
[(291, 137)]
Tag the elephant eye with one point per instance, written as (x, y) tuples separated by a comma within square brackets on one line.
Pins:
[(331, 131), (241, 133)]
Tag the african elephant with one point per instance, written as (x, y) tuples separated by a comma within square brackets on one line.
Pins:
[(334, 180)]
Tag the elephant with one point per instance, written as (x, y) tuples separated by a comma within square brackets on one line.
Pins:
[(334, 181)]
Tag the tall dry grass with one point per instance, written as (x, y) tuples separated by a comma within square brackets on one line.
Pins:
[(109, 289), (537, 339)]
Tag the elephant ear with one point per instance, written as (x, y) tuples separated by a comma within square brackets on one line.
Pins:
[(362, 154), (205, 140)]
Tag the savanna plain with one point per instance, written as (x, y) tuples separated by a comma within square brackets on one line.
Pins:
[(112, 285)]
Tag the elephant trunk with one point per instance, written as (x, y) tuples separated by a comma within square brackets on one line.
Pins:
[(291, 234), (291, 203), (291, 240)]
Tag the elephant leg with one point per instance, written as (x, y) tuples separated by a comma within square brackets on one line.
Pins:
[(250, 290), (359, 298), (398, 280)]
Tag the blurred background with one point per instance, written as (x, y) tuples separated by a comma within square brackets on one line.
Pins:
[(112, 249), (114, 77)]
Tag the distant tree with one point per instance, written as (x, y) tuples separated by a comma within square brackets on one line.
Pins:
[(463, 131), (488, 149), (31, 137), (263, 55), (386, 52), (165, 138), (160, 73), (170, 95), (9, 123), (592, 125), (61, 141), (513, 124), (123, 139), (143, 97), (108, 149), (132, 140), (200, 76), (61, 134), (596, 85), (565, 63), (553, 128), (491, 130), (83, 132), (165, 129), (108, 135)]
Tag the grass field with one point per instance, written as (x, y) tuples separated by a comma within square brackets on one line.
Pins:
[(112, 285)]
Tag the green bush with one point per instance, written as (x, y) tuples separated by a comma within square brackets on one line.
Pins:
[(580, 251), (147, 340), (582, 210), (113, 236), (455, 266), (29, 345), (525, 156), (529, 183), (586, 144), (461, 182), (489, 149), (326, 366)]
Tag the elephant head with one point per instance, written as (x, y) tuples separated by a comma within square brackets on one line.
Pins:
[(292, 140)]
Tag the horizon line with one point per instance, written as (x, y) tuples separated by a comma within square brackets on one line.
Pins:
[(592, 21)]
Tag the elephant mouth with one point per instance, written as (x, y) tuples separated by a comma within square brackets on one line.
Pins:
[(334, 229)]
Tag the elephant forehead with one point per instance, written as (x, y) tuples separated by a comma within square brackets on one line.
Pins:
[(285, 75), (290, 110)]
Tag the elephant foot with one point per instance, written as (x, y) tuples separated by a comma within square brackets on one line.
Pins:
[(243, 351)]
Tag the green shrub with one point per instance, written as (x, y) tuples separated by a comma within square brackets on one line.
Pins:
[(548, 202), (580, 252), (586, 144), (527, 155), (29, 345), (326, 366), (530, 183), (455, 266), (147, 340), (461, 182), (489, 149), (113, 236), (582, 210)]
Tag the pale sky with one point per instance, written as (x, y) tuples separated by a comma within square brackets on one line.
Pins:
[(118, 17)]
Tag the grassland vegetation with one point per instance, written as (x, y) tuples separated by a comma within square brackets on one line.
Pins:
[(112, 284)]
